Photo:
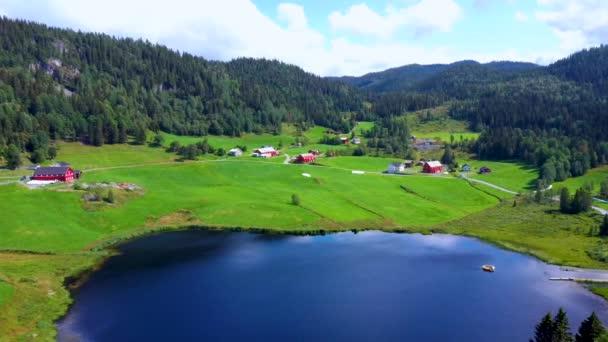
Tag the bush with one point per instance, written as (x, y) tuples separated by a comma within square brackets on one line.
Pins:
[(110, 197), (295, 199)]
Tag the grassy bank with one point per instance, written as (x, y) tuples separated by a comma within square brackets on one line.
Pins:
[(538, 230)]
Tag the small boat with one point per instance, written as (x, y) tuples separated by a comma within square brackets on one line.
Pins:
[(488, 268)]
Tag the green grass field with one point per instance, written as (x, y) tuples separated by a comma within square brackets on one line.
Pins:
[(446, 135), (234, 193), (6, 291), (509, 175), (594, 176), (534, 229)]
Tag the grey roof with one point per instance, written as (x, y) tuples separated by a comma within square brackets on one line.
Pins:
[(50, 171), (397, 164)]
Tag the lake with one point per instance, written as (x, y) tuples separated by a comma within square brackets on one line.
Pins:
[(220, 286)]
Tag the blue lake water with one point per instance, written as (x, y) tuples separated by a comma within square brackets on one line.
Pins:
[(371, 286)]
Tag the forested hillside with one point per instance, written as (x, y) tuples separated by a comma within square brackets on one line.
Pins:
[(93, 88), (61, 84), (416, 77)]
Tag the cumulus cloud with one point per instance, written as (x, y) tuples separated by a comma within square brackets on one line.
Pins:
[(577, 23), (423, 16), (521, 17)]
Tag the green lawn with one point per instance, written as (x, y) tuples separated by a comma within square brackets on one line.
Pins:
[(446, 135), (599, 290), (363, 126), (533, 229), (509, 175), (595, 176), (6, 291), (234, 193), (84, 157)]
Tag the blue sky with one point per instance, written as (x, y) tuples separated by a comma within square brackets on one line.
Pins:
[(341, 37)]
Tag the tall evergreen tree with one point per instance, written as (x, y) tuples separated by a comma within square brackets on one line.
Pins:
[(590, 329), (561, 327), (604, 226), (544, 330), (564, 201), (13, 157), (604, 189), (448, 156)]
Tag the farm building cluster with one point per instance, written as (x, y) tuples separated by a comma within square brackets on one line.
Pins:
[(430, 166)]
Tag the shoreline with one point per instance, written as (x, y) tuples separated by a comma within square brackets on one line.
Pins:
[(102, 250), (73, 282)]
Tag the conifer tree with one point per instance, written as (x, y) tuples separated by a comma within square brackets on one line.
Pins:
[(561, 327), (590, 329), (564, 201), (604, 226), (544, 330)]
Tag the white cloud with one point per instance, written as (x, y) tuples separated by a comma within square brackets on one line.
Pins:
[(521, 17), (577, 23), (294, 16), (423, 16)]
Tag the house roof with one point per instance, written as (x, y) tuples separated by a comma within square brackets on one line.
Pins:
[(304, 155), (49, 171), (61, 163), (397, 164), (266, 150), (434, 163), (408, 161), (235, 150)]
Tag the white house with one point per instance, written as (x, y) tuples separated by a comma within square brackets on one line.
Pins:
[(396, 167), (465, 168), (235, 152)]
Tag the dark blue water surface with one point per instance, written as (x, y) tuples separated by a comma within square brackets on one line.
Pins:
[(372, 286)]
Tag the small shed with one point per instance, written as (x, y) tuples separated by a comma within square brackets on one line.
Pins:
[(235, 152), (345, 140), (356, 141), (466, 168), (305, 158), (33, 167), (61, 164), (432, 166), (484, 170), (395, 167), (408, 163)]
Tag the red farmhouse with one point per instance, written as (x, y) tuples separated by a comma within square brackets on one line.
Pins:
[(306, 158), (267, 151), (63, 174), (432, 167)]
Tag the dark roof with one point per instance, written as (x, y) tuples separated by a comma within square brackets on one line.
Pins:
[(49, 171), (77, 171), (61, 163)]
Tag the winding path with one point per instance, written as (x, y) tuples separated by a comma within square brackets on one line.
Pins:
[(490, 185)]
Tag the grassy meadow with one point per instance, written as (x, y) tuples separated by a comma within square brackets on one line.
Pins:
[(509, 175), (593, 176), (243, 193)]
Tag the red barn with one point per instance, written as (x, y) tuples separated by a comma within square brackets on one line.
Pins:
[(305, 158), (63, 174), (432, 167)]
